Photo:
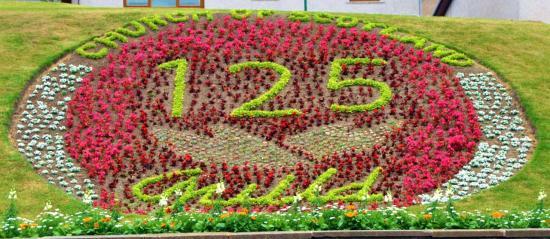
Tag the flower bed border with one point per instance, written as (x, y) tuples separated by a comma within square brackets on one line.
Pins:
[(494, 233)]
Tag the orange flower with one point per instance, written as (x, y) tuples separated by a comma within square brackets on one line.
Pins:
[(350, 207), (497, 215), (351, 214), (96, 225), (23, 226), (34, 225), (427, 216), (173, 224), (168, 210), (86, 219), (163, 225), (242, 211), (225, 215), (253, 218), (105, 219)]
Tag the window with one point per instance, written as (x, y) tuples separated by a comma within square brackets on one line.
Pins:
[(137, 3)]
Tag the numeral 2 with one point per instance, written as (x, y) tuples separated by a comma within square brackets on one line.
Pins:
[(249, 109), (179, 84), (334, 83)]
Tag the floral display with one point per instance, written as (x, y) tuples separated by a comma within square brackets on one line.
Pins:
[(505, 146), (262, 110), (40, 128), (94, 221)]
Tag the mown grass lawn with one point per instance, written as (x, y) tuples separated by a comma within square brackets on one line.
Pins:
[(33, 35)]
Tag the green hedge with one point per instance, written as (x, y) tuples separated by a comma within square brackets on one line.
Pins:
[(153, 21), (207, 195), (177, 17), (248, 109), (347, 21), (334, 83), (83, 51), (139, 30), (240, 14), (179, 84), (447, 56)]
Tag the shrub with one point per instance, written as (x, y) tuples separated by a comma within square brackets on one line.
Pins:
[(139, 30), (248, 109), (240, 14), (83, 51), (299, 16), (347, 21), (177, 17)]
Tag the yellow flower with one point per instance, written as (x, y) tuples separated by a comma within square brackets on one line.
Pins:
[(86, 219), (351, 214), (497, 215), (253, 218), (225, 215), (34, 225), (427, 216)]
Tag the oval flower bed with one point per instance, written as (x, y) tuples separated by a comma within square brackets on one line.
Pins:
[(264, 111)]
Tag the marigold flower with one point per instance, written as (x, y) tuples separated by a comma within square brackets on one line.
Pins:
[(350, 207), (243, 211), (106, 219), (427, 216), (23, 226), (497, 215), (351, 214), (86, 219), (253, 218), (212, 219), (163, 225), (96, 225), (225, 215)]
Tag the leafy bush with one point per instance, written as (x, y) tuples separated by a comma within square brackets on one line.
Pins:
[(240, 14)]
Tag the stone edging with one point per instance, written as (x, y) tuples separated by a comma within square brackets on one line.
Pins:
[(498, 233)]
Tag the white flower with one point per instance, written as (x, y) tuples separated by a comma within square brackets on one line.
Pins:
[(163, 202), (12, 194), (87, 198), (297, 198), (388, 198), (220, 188), (437, 195), (542, 195), (48, 207), (178, 193), (317, 188), (449, 192)]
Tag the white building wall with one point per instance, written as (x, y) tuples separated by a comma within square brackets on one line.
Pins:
[(499, 9), (100, 3), (400, 7), (283, 5), (534, 10)]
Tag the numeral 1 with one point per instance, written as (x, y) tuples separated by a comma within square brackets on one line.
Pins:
[(179, 84)]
